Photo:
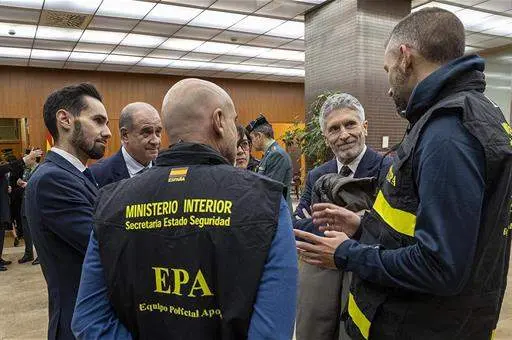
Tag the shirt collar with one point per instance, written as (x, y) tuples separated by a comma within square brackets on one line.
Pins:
[(131, 164), (354, 164), (70, 158)]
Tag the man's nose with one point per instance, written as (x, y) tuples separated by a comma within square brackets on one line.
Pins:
[(106, 133)]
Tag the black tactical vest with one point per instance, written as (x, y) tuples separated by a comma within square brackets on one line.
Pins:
[(377, 312), (183, 246)]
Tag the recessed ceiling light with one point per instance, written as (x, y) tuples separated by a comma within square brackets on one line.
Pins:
[(21, 31), (142, 40), (188, 64), (155, 62), (11, 52), (87, 57), (49, 54), (283, 55), (254, 24), (102, 37), (125, 8), (121, 59), (450, 8), (290, 29), (291, 72), (216, 19), (469, 16), (181, 44), (58, 33), (215, 48), (249, 51), (72, 6), (172, 14), (35, 4)]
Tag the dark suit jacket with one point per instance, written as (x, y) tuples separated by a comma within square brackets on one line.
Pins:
[(110, 170), (59, 203), (368, 167)]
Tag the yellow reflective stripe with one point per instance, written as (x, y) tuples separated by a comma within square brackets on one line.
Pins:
[(402, 221), (493, 334), (358, 317)]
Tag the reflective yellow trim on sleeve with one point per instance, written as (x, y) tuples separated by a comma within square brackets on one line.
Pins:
[(493, 334), (402, 221), (358, 317)]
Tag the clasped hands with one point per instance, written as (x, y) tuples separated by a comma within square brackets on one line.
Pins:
[(338, 225)]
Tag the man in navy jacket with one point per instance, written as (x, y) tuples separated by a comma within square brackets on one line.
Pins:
[(60, 196), (344, 127), (140, 128)]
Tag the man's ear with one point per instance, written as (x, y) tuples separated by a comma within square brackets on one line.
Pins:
[(406, 57), (218, 121), (365, 126), (123, 133), (64, 120)]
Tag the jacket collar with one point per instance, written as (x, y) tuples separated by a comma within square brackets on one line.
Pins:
[(66, 165), (461, 74), (190, 154)]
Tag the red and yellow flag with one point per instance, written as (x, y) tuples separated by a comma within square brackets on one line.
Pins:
[(49, 141)]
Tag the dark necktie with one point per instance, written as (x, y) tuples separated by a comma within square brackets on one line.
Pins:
[(87, 173), (345, 171), (141, 171)]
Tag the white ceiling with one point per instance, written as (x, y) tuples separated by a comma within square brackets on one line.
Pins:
[(251, 39), (488, 23)]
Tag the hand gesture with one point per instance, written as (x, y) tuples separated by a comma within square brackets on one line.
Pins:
[(30, 159), (328, 216), (319, 251)]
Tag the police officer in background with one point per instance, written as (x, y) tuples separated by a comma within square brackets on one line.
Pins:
[(430, 260), (276, 162), (194, 248)]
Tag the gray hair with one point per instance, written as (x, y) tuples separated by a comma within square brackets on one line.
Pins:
[(126, 116), (339, 101)]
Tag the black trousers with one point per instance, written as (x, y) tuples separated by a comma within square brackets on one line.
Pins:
[(29, 249)]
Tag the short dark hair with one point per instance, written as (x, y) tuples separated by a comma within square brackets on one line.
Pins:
[(266, 129), (243, 132), (69, 98), (435, 32)]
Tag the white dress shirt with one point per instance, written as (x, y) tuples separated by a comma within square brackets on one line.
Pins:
[(352, 165), (131, 164), (70, 158)]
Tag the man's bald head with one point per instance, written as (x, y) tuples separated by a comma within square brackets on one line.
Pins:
[(126, 116), (140, 127), (199, 111)]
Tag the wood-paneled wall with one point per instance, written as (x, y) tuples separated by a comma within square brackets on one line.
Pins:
[(23, 91)]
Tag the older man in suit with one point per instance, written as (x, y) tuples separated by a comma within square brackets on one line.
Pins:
[(344, 127), (60, 196), (140, 128)]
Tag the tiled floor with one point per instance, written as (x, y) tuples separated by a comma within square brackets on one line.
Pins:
[(23, 302)]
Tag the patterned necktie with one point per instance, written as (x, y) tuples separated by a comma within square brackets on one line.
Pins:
[(87, 173), (345, 171)]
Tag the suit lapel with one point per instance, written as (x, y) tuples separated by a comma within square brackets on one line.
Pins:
[(119, 165), (64, 164), (366, 164)]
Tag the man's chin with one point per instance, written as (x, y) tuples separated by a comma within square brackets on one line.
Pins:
[(96, 153)]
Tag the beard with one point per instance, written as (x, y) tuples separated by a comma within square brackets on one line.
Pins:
[(96, 151), (400, 93)]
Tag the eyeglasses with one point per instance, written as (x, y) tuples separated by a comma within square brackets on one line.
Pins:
[(244, 144)]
